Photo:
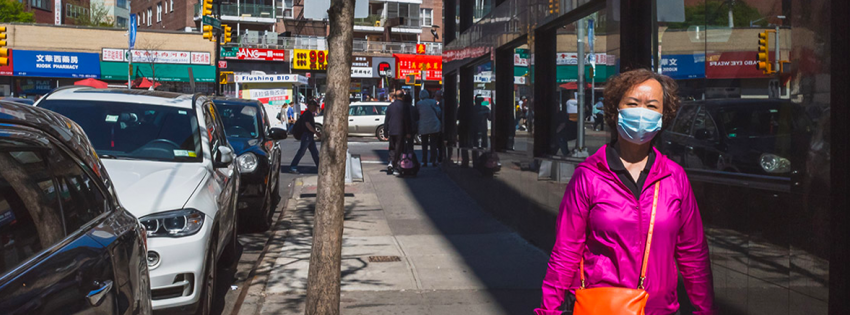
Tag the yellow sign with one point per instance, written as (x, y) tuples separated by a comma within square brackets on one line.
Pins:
[(308, 59)]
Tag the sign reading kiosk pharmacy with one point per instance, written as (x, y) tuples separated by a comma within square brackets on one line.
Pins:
[(56, 64)]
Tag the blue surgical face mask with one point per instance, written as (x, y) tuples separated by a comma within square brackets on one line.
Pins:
[(638, 125)]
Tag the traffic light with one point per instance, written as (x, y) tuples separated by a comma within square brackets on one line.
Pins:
[(208, 32), (226, 29), (207, 7), (4, 52), (763, 54), (554, 6)]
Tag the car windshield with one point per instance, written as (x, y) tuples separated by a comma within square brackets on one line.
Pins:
[(135, 131), (240, 121), (763, 120)]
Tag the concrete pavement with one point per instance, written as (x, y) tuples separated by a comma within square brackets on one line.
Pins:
[(443, 254)]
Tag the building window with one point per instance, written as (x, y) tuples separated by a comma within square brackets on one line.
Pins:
[(138, 20), (74, 12), (287, 8), (121, 22), (159, 12), (150, 16), (165, 7), (40, 4), (427, 17), (408, 10), (122, 4), (171, 5)]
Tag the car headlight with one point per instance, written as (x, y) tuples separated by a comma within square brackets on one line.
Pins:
[(174, 223), (247, 162), (774, 164)]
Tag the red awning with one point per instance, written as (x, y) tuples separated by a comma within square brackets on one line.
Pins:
[(572, 86), (92, 83)]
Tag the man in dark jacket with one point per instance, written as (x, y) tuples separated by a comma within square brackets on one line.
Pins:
[(397, 122)]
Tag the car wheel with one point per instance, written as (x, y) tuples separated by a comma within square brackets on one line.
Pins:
[(381, 134), (205, 304), (318, 130)]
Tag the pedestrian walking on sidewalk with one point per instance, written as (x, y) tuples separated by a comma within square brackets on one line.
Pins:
[(624, 198), (441, 143), (429, 126), (599, 123), (398, 125), (306, 126)]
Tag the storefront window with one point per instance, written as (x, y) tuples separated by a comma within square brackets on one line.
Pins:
[(754, 144)]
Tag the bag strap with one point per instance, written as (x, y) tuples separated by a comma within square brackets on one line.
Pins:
[(648, 243)]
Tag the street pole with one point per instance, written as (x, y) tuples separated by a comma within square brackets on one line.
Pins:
[(580, 150), (217, 51), (776, 50)]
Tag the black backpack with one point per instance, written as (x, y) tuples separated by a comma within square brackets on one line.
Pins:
[(298, 128)]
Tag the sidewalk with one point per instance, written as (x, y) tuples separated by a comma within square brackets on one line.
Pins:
[(450, 256)]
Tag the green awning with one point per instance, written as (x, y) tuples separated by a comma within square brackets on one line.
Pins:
[(164, 72), (569, 73)]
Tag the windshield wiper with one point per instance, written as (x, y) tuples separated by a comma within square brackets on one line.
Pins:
[(107, 156)]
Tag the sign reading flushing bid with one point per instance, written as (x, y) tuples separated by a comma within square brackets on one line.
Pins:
[(56, 64), (271, 78)]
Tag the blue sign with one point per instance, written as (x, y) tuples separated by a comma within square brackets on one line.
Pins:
[(132, 32), (590, 41), (56, 64), (683, 66)]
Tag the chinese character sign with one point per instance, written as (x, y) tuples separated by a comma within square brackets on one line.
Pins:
[(431, 66), (308, 59), (420, 49), (56, 64)]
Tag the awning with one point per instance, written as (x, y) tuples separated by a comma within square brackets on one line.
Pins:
[(164, 72)]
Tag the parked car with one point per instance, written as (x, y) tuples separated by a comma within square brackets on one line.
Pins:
[(67, 246), (19, 100), (173, 167), (740, 136), (255, 142), (365, 119)]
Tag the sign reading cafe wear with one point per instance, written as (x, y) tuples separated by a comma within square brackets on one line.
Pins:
[(55, 64), (361, 67), (157, 56)]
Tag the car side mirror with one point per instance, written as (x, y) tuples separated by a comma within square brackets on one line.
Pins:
[(277, 133), (225, 156), (702, 134)]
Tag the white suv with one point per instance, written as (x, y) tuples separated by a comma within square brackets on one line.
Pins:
[(364, 119), (172, 168)]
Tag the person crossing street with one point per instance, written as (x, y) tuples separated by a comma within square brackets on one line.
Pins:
[(305, 129)]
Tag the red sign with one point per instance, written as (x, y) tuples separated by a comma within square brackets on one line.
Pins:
[(245, 53), (222, 64), (432, 66), (420, 49), (7, 70), (734, 65), (308, 75)]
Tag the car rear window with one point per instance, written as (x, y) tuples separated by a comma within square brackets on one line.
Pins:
[(762, 120)]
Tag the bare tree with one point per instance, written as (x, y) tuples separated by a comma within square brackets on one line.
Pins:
[(150, 48), (323, 282)]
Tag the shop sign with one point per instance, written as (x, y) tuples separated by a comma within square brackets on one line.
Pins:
[(520, 80), (268, 96), (431, 66), (309, 59), (271, 78), (383, 67), (361, 67), (33, 63), (7, 69), (469, 52), (28, 86), (355, 87), (520, 60), (733, 65), (244, 53), (222, 64), (157, 56), (688, 66), (568, 58)]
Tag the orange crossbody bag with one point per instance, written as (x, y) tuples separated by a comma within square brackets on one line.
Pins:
[(612, 300)]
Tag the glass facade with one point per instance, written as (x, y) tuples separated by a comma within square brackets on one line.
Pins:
[(753, 138)]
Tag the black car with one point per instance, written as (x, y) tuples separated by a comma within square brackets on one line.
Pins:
[(735, 137), (67, 246), (246, 124)]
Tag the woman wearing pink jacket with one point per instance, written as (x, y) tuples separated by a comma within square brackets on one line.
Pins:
[(605, 214)]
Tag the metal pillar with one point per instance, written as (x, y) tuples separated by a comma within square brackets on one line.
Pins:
[(580, 150), (217, 51)]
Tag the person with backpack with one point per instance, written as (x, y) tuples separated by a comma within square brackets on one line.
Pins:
[(429, 126), (398, 123), (304, 129)]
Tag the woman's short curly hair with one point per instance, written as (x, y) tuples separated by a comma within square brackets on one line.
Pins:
[(623, 82)]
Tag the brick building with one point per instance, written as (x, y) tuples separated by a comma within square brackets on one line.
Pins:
[(164, 14)]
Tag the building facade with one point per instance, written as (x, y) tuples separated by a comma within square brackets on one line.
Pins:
[(535, 68)]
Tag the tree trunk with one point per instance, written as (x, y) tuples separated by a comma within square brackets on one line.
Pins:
[(323, 282)]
